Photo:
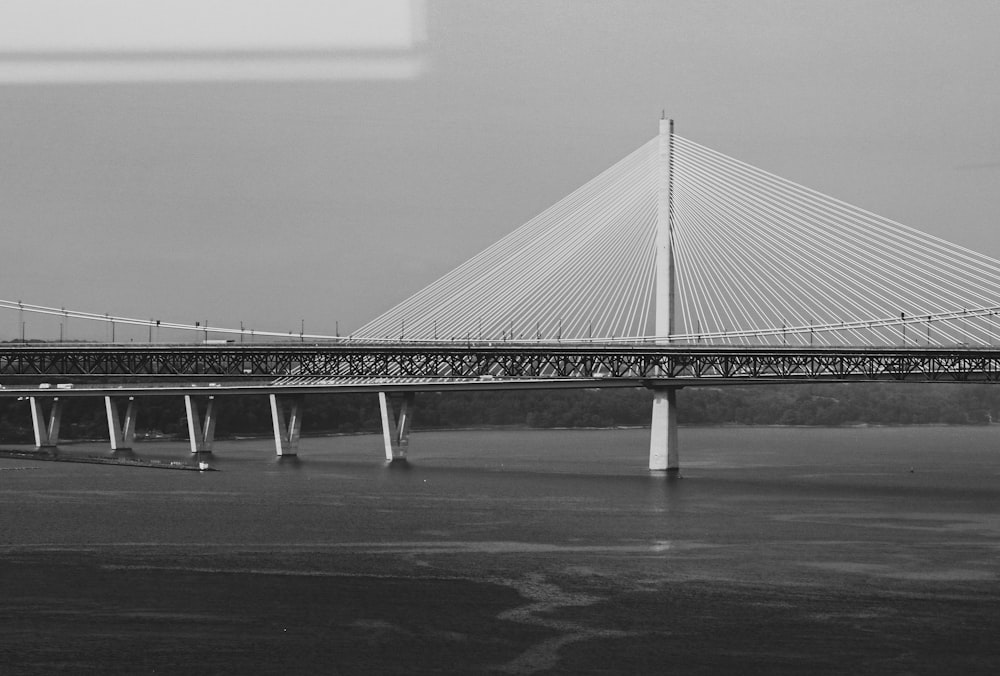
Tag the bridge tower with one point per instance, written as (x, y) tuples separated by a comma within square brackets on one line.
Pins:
[(663, 449)]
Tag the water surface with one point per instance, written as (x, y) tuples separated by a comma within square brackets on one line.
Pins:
[(779, 551)]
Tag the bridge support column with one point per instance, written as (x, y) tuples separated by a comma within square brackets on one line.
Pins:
[(46, 428), (201, 434), (122, 435), (664, 453), (287, 427), (663, 450), (396, 428)]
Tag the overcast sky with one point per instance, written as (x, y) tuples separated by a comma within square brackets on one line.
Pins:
[(232, 174)]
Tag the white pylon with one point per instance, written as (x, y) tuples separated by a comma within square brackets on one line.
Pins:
[(663, 449), (665, 274)]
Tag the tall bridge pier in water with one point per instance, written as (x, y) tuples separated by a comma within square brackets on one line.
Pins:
[(664, 448)]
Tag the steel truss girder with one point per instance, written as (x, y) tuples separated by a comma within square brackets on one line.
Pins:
[(84, 363)]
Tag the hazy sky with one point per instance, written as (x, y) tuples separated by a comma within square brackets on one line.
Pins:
[(269, 184)]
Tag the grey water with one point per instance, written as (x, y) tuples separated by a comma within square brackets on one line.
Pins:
[(779, 550)]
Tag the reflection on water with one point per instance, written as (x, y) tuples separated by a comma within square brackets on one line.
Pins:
[(522, 551)]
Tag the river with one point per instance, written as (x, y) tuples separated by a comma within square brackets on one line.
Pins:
[(778, 551)]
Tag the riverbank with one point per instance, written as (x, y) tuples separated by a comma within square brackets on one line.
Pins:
[(121, 460)]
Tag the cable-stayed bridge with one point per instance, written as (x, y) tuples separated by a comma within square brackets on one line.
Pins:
[(676, 266)]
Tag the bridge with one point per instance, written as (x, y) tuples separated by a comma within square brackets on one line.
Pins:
[(678, 266)]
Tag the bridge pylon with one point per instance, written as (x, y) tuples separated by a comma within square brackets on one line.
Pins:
[(663, 449)]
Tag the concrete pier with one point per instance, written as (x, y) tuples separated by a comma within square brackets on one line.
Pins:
[(201, 429), (286, 419), (396, 426), (664, 452), (46, 428), (121, 434)]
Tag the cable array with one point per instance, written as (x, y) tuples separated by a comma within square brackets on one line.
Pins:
[(759, 260), (198, 328), (583, 268)]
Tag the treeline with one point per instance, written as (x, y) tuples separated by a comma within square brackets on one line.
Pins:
[(843, 404), (821, 404)]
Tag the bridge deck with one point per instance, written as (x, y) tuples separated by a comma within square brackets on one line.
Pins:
[(352, 366)]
